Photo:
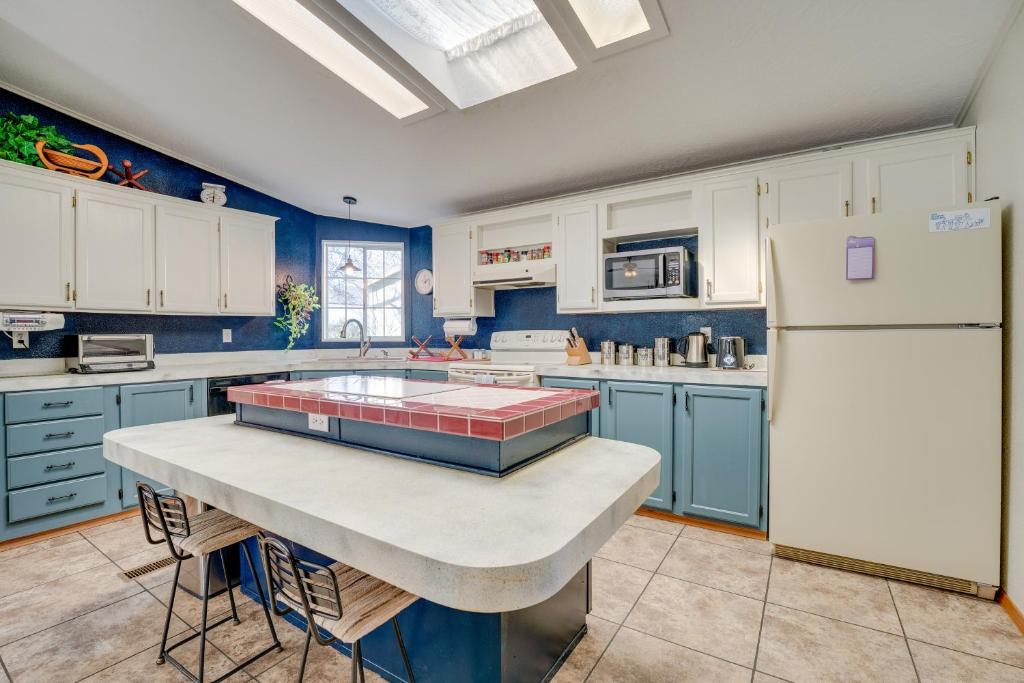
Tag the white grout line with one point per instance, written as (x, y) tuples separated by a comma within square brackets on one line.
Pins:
[(906, 644)]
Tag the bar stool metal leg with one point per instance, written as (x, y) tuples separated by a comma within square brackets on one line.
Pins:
[(401, 648), (205, 561), (170, 611), (305, 655), (227, 580)]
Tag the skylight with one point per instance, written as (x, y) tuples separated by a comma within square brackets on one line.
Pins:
[(609, 21), (470, 50), (301, 28)]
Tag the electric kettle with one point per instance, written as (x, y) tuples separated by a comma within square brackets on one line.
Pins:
[(731, 353), (695, 350)]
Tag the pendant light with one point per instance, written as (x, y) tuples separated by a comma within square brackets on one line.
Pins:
[(349, 268), (630, 270)]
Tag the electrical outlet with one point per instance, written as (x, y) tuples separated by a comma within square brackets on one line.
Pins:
[(707, 331), (319, 423), (226, 336), (20, 340)]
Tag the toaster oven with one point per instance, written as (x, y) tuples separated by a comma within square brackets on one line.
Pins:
[(112, 353)]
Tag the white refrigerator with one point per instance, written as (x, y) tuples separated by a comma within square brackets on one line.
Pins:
[(884, 394)]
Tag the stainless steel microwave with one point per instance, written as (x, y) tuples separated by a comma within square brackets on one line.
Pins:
[(650, 274), (112, 353)]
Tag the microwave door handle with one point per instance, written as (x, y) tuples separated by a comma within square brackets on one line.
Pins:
[(660, 258)]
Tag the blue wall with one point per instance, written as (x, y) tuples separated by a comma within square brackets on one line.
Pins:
[(299, 233)]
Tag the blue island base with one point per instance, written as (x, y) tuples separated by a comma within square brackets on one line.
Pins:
[(450, 645)]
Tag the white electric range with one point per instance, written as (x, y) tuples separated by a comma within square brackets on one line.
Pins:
[(515, 358)]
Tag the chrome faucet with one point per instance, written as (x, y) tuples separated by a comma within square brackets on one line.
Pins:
[(364, 341)]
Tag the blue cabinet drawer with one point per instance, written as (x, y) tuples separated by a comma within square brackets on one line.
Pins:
[(31, 406), (50, 498), (43, 468), (39, 437)]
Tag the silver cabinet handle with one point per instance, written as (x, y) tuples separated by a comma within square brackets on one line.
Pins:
[(149, 296), (59, 435), (65, 466), (57, 499), (57, 404), (709, 289), (593, 295), (161, 298), (67, 291)]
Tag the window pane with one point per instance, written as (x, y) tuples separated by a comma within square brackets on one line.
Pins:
[(375, 292), (392, 322), (352, 331), (335, 291), (374, 263), (353, 293), (392, 263), (392, 293), (335, 317)]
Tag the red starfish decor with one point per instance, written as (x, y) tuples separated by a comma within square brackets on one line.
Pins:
[(129, 177)]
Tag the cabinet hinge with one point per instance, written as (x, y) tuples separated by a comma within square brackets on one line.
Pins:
[(757, 189), (120, 494), (970, 197), (117, 399), (74, 197), (766, 188), (970, 157)]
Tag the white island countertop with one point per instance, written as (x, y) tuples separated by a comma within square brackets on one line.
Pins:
[(464, 540)]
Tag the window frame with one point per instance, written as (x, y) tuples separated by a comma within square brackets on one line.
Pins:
[(372, 244)]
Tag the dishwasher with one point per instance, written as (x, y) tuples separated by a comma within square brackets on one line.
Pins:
[(217, 403)]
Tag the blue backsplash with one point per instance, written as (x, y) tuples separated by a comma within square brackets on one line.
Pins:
[(298, 236)]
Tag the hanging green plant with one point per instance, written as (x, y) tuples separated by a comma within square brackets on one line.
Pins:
[(300, 300), (18, 136)]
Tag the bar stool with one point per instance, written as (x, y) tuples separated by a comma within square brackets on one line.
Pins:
[(201, 536), (345, 602)]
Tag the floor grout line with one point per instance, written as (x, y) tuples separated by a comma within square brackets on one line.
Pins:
[(962, 652), (760, 628), (906, 643), (3, 665)]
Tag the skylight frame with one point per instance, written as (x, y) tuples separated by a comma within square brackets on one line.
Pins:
[(571, 24), (334, 18)]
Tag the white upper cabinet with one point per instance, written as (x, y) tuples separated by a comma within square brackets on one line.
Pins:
[(453, 264), (113, 252), (808, 191), (38, 243), (927, 175), (576, 254), (187, 260), (246, 265), (729, 240)]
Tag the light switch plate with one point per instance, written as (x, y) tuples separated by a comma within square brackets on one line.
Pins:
[(226, 336), (20, 340), (319, 423), (707, 331)]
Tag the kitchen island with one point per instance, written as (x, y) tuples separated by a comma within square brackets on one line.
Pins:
[(501, 564)]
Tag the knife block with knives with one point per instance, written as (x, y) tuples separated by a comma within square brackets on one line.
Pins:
[(576, 350)]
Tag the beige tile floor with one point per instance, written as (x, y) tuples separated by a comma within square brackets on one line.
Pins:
[(671, 603)]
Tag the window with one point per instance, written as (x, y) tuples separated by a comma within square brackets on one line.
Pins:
[(371, 295)]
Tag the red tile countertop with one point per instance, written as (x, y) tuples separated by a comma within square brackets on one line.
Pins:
[(489, 412)]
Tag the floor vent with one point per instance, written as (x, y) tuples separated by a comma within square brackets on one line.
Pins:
[(884, 570), (147, 568)]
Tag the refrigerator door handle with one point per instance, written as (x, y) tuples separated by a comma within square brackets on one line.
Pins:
[(773, 352), (769, 267)]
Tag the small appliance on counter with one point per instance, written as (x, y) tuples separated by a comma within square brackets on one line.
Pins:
[(662, 351), (112, 353), (695, 350), (731, 353)]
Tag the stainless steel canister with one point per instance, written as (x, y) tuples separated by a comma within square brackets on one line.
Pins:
[(662, 351), (607, 352), (625, 354), (645, 356)]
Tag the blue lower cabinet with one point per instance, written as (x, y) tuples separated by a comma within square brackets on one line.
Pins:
[(39, 501), (719, 443), (572, 383), (433, 375), (143, 404), (642, 413)]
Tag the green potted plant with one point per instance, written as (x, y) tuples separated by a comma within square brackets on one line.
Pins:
[(18, 136), (299, 300)]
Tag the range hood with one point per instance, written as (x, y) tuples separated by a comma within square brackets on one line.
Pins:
[(535, 273)]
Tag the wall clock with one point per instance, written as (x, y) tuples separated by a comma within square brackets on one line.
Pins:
[(424, 281)]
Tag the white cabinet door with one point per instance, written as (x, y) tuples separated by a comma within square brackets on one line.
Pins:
[(576, 258), (928, 175), (730, 240), (246, 265), (808, 192), (38, 243), (113, 252), (187, 260), (453, 270)]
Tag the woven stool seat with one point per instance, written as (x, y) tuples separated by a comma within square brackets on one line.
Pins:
[(213, 530)]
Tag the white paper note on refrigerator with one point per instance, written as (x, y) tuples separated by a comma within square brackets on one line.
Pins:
[(860, 258)]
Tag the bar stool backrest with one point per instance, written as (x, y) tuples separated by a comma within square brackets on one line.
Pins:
[(300, 582), (164, 514)]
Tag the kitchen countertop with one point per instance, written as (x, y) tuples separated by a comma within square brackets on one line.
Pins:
[(48, 374), (460, 539), (492, 412)]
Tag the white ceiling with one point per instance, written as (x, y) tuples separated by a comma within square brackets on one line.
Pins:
[(735, 79)]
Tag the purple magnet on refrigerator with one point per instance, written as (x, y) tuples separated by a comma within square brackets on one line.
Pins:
[(860, 258)]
